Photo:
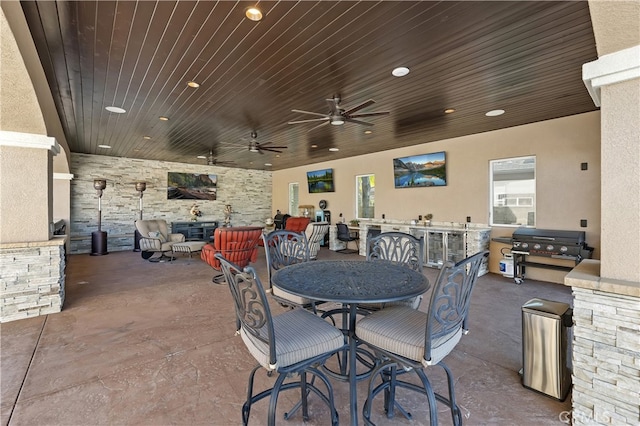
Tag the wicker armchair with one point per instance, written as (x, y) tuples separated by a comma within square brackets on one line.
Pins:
[(315, 233)]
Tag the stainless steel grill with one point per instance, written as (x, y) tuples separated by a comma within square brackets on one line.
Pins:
[(556, 244)]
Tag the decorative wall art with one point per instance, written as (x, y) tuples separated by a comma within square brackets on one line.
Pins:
[(320, 181), (191, 186), (420, 170)]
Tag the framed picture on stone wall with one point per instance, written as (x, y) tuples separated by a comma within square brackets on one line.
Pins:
[(191, 186)]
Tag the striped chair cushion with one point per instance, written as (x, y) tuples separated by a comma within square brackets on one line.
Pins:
[(300, 335), (413, 303), (401, 330), (288, 296)]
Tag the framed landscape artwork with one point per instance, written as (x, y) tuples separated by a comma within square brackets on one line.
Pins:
[(191, 186), (320, 181), (420, 170)]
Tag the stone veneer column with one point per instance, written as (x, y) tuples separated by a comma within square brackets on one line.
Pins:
[(31, 262), (606, 342)]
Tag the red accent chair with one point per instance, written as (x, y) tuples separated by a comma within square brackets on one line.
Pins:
[(297, 224), (238, 245)]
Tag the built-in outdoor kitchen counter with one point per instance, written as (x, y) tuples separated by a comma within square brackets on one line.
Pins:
[(442, 240)]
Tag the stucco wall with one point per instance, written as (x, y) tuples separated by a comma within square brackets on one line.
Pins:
[(621, 218), (565, 193), (248, 192)]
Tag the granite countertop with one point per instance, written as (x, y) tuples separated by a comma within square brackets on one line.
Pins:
[(436, 226)]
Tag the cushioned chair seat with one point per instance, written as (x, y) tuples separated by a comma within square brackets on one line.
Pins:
[(296, 300), (400, 329), (297, 224), (299, 336)]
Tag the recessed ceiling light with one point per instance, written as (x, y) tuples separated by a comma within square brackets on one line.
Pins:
[(334, 149), (268, 164), (495, 112), (314, 146), (115, 109), (202, 157), (164, 118), (253, 13), (193, 84), (449, 110), (368, 132), (277, 155), (146, 137), (104, 146), (400, 71)]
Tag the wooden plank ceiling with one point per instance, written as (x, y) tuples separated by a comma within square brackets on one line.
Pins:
[(524, 57)]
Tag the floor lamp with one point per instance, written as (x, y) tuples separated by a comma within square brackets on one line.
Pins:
[(99, 237), (140, 187)]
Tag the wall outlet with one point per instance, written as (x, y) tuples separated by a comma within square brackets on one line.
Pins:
[(583, 223), (584, 166), (468, 219)]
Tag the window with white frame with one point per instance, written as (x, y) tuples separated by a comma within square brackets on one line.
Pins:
[(293, 198), (365, 196), (513, 191)]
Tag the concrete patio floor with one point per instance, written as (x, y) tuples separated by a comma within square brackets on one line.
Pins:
[(153, 344)]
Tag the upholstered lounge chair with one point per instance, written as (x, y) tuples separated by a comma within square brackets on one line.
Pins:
[(237, 244), (155, 238)]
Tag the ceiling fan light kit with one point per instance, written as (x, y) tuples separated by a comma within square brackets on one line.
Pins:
[(255, 146), (338, 116)]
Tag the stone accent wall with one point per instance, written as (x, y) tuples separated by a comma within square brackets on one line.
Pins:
[(32, 279), (247, 191), (606, 358)]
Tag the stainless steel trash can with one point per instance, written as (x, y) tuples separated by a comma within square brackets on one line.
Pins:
[(544, 347)]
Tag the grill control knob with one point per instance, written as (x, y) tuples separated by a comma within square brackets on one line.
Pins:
[(537, 246), (525, 245), (550, 247), (563, 249)]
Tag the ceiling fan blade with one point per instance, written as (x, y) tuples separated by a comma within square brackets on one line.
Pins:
[(299, 111), (359, 107), (308, 121), (268, 145), (318, 126), (369, 114), (270, 149), (351, 120)]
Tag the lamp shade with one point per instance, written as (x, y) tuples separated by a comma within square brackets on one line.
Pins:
[(99, 184)]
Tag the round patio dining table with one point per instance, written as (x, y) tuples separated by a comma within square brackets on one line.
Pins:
[(351, 282)]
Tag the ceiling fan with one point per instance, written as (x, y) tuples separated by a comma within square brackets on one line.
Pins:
[(338, 116), (255, 146), (212, 161)]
